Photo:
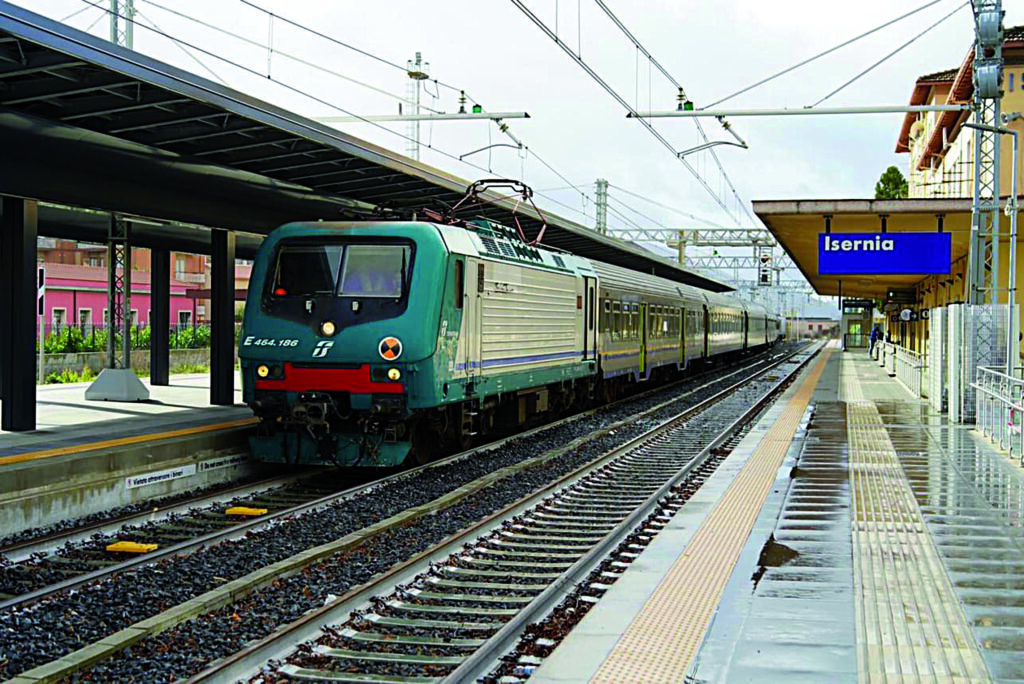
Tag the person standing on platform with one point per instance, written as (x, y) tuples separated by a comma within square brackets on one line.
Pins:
[(874, 339)]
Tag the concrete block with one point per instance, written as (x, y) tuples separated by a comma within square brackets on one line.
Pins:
[(117, 384)]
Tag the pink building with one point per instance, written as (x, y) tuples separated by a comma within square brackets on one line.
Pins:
[(76, 294)]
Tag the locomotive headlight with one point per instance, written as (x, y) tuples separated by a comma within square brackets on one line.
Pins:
[(263, 370), (394, 374), (328, 328)]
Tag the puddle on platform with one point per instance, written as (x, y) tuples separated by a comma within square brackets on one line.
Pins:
[(773, 555)]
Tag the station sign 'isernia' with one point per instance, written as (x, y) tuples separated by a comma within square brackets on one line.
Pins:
[(884, 253)]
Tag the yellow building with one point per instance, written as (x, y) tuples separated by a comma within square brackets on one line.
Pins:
[(941, 151)]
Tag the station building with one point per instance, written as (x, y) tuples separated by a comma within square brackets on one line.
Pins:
[(913, 308)]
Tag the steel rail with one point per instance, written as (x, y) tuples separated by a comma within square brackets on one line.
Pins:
[(505, 638), (242, 529), (23, 549), (283, 640)]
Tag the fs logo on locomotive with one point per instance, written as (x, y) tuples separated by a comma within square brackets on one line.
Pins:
[(321, 349)]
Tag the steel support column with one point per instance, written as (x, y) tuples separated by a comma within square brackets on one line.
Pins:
[(222, 319), (119, 289), (18, 232), (159, 317)]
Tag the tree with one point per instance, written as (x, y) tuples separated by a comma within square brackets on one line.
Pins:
[(892, 185)]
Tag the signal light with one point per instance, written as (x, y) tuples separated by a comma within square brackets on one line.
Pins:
[(328, 328), (263, 370), (394, 374)]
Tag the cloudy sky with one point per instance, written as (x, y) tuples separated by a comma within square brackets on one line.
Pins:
[(493, 51)]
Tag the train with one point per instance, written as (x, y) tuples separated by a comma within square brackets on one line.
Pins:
[(378, 343)]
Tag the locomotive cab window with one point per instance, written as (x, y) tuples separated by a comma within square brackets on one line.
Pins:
[(305, 271), (356, 270), (375, 271)]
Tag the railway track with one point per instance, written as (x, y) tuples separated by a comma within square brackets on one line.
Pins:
[(24, 547), (42, 567), (456, 617), (93, 553), (266, 543)]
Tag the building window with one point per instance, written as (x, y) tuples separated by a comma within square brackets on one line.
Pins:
[(179, 266), (134, 317), (85, 318), (184, 319), (58, 318)]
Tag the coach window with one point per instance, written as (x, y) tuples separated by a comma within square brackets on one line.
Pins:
[(606, 312), (616, 320)]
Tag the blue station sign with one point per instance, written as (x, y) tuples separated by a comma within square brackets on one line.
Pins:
[(884, 253)]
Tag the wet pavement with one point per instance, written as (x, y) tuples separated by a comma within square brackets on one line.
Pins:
[(891, 547), (791, 618)]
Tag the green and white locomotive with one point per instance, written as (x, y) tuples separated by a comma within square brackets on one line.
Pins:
[(367, 343)]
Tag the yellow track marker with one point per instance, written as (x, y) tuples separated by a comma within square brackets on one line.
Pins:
[(242, 510), (131, 547)]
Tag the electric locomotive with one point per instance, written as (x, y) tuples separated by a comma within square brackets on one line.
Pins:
[(366, 343)]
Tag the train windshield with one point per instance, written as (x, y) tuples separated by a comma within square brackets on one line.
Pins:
[(345, 270), (375, 271)]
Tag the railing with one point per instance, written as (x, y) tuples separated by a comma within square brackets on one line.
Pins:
[(909, 369), (887, 356), (1000, 409)]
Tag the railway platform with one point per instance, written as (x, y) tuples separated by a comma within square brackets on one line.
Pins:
[(853, 535), (87, 456)]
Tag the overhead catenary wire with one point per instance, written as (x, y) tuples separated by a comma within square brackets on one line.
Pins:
[(182, 44), (664, 206), (664, 72), (621, 100), (195, 59), (294, 89), (891, 54), (503, 127), (93, 24), (822, 54), (287, 55), (341, 43), (73, 15)]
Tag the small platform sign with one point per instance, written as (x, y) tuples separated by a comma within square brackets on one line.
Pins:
[(884, 253)]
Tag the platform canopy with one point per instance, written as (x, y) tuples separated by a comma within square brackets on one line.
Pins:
[(796, 225), (87, 123)]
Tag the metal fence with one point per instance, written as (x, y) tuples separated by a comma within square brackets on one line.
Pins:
[(886, 355), (910, 369), (1000, 409)]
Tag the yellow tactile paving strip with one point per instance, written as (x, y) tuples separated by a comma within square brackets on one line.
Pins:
[(123, 441), (663, 639), (910, 626)]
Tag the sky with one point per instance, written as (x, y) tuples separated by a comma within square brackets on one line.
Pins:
[(502, 60)]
